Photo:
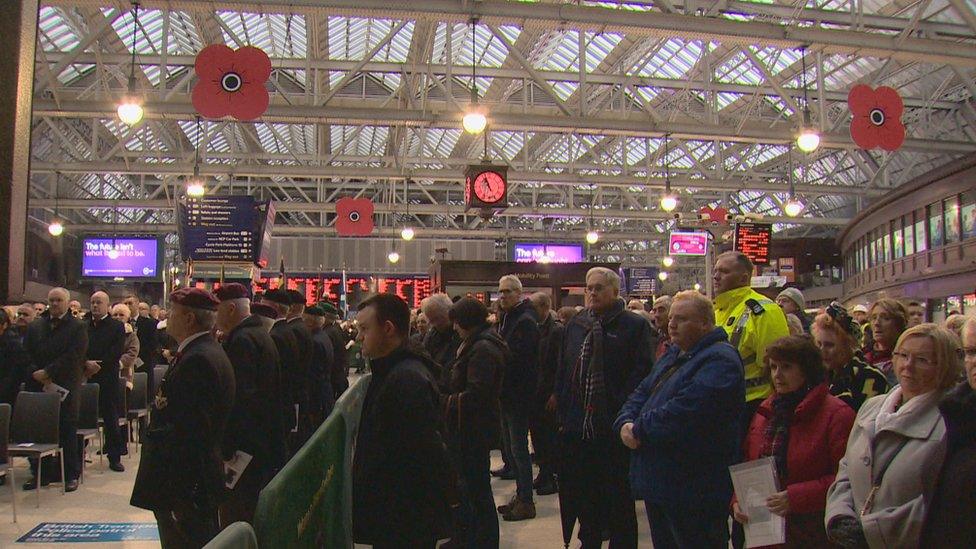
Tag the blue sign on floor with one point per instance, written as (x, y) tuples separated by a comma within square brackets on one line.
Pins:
[(81, 532)]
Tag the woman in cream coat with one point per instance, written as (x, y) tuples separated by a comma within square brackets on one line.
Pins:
[(896, 448)]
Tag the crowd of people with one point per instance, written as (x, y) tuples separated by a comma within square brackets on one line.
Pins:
[(867, 414)]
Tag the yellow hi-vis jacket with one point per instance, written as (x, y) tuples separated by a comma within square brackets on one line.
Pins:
[(752, 321)]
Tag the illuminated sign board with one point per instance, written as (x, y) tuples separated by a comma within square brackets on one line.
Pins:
[(528, 252), (687, 243), (129, 258), (752, 239)]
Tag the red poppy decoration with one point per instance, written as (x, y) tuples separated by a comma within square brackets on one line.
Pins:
[(231, 82), (716, 215), (354, 217), (877, 117)]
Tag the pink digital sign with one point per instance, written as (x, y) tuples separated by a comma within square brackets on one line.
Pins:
[(688, 243), (524, 252)]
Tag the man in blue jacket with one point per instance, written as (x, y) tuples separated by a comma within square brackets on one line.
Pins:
[(681, 424), (606, 351)]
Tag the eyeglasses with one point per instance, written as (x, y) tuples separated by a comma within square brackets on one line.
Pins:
[(921, 360)]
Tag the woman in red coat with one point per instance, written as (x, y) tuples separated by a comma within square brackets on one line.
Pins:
[(805, 429)]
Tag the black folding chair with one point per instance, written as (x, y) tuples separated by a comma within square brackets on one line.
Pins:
[(6, 462), (88, 422), (35, 431), (138, 405)]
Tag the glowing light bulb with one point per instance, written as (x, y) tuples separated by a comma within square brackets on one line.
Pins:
[(667, 261), (475, 120), (793, 207), (113, 253), (808, 139), (407, 233), (195, 187), (592, 237), (130, 111), (697, 287), (56, 228), (663, 275), (393, 257), (669, 202)]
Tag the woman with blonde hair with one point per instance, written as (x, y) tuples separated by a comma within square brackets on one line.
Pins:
[(896, 447), (850, 377)]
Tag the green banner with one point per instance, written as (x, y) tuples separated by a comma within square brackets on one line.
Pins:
[(309, 502), (239, 535)]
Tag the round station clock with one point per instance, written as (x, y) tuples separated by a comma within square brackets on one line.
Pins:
[(486, 186)]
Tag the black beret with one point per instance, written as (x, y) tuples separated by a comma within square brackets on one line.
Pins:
[(278, 296), (315, 310), (296, 297), (194, 298), (234, 290), (266, 311)]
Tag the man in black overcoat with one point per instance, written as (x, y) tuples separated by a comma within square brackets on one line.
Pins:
[(106, 343), (181, 473), (293, 375), (57, 343), (321, 396), (255, 426), (148, 339), (306, 353), (339, 378)]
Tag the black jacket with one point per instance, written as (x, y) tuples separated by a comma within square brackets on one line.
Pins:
[(106, 343), (520, 330), (14, 365), (290, 372), (402, 480), (306, 351), (550, 341), (148, 342), (60, 351), (949, 522), (180, 465), (322, 396), (255, 425), (442, 348), (339, 377), (628, 359), (471, 407)]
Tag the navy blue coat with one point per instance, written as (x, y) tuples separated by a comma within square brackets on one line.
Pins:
[(687, 424), (520, 330), (628, 357)]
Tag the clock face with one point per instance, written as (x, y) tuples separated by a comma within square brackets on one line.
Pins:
[(489, 187)]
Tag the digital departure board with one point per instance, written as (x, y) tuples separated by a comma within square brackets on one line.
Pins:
[(752, 239), (328, 286)]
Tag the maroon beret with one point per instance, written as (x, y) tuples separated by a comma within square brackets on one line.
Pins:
[(194, 298), (266, 311), (234, 290), (278, 296)]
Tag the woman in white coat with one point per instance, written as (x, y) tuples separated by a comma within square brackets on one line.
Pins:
[(896, 447)]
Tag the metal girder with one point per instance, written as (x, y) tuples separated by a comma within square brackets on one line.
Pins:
[(502, 117), (427, 209), (441, 70), (601, 19), (729, 183)]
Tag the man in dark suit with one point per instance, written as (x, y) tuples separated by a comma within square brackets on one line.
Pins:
[(306, 352), (106, 343), (294, 369), (255, 426), (57, 343), (339, 377), (323, 364), (181, 476), (148, 340)]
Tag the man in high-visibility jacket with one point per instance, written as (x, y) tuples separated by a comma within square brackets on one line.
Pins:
[(752, 322)]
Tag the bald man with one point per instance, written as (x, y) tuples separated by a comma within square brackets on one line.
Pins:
[(106, 345), (58, 343)]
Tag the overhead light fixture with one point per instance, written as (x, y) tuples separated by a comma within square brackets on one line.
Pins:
[(662, 276), (592, 237), (667, 261), (196, 186), (792, 207), (130, 108), (114, 252), (407, 233), (669, 201), (56, 228), (475, 119), (697, 287), (393, 257), (808, 136)]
